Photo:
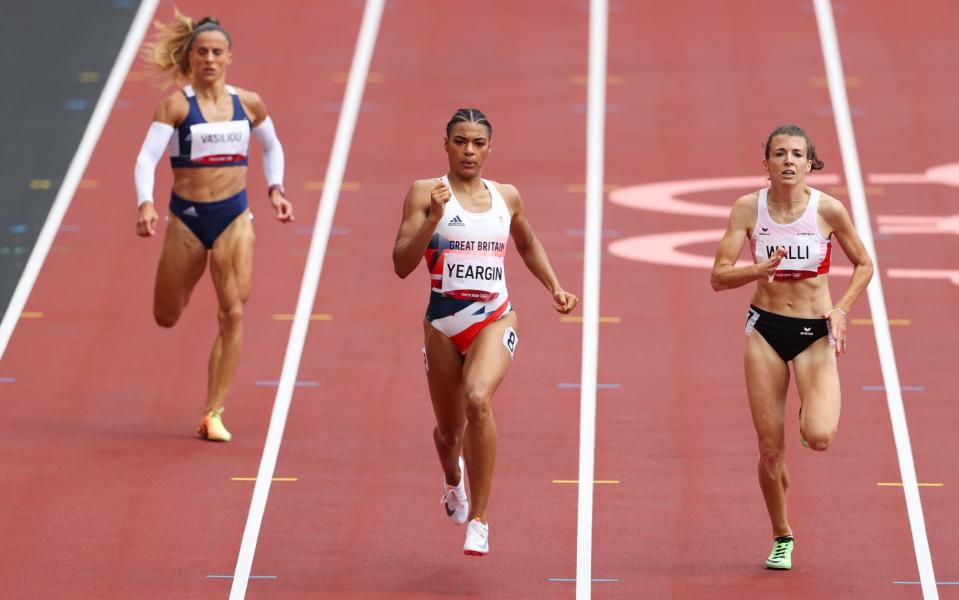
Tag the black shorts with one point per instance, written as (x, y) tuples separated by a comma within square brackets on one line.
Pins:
[(787, 335)]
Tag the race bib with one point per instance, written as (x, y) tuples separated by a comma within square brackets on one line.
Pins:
[(800, 254), (212, 143), (475, 277)]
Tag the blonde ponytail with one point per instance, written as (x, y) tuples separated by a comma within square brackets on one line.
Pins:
[(168, 50)]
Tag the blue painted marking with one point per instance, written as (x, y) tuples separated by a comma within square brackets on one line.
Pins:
[(123, 104), (881, 236), (15, 229), (614, 233), (573, 580), (69, 228), (251, 576), (7, 379), (919, 583), (605, 386), (904, 388), (270, 382), (122, 3), (77, 104)]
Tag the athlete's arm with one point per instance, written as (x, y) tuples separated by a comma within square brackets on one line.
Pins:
[(726, 275), (422, 210), (836, 217), (158, 136), (273, 158), (533, 252)]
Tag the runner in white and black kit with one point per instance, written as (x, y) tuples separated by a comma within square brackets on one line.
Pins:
[(790, 228), (461, 224)]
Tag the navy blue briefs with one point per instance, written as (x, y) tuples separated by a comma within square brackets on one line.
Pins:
[(207, 220), (788, 336)]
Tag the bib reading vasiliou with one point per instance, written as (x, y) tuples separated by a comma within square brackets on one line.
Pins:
[(224, 141)]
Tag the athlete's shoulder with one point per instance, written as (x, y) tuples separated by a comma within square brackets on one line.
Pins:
[(831, 209), (744, 210), (172, 109), (747, 203), (507, 190), (252, 103), (827, 202)]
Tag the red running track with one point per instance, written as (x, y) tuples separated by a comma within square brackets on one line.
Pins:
[(108, 494)]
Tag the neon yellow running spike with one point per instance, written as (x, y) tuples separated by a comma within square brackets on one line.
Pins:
[(781, 556), (211, 427)]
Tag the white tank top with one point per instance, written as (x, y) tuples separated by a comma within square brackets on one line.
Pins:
[(807, 251), (473, 249)]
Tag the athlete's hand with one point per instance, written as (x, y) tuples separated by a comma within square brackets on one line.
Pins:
[(836, 319), (282, 206), (768, 269), (564, 302), (147, 222), (439, 196)]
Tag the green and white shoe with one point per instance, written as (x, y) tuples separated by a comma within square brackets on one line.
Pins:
[(781, 556)]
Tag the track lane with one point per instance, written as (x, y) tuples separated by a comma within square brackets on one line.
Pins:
[(366, 523), (113, 487), (699, 90), (904, 122)]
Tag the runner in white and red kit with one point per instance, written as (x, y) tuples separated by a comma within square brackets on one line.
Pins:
[(791, 317), (461, 224)]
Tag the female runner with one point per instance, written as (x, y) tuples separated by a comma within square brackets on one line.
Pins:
[(790, 228), (460, 223)]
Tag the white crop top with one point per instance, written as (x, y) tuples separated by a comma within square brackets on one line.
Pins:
[(807, 251)]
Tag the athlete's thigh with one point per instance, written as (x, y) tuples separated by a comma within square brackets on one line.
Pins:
[(444, 375), (491, 354), (182, 262), (231, 262), (817, 378), (767, 380)]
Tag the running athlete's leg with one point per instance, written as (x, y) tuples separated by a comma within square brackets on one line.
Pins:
[(487, 362), (231, 268), (767, 378), (182, 262), (444, 375), (817, 377)]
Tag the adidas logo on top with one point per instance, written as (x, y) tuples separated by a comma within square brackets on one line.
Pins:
[(191, 212), (456, 222)]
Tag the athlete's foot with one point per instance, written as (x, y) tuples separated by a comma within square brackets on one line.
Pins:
[(477, 538), (781, 556), (211, 427), (454, 500)]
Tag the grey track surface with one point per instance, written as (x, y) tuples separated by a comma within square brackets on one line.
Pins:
[(45, 105)]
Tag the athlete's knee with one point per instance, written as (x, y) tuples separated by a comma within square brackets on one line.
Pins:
[(819, 438), (231, 318), (478, 402), (165, 317), (448, 438), (772, 459)]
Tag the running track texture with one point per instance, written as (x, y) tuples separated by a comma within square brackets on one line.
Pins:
[(107, 494)]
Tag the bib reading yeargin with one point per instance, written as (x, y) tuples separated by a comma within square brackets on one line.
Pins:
[(476, 277)]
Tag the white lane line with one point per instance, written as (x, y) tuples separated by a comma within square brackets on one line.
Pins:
[(108, 97), (592, 249), (365, 42), (877, 303)]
